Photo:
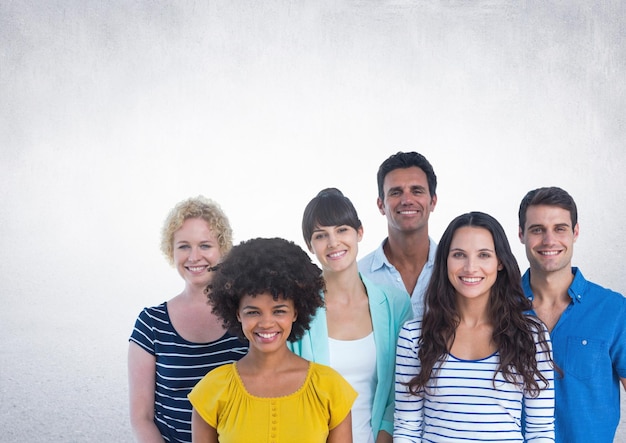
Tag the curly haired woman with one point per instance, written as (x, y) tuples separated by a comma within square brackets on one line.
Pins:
[(267, 291)]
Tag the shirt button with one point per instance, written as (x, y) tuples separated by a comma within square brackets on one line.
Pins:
[(578, 296), (584, 342)]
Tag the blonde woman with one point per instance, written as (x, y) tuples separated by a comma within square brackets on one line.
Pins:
[(173, 345)]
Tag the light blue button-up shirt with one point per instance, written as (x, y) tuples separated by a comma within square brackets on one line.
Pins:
[(377, 268)]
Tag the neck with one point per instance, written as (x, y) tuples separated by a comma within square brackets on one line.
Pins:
[(407, 247), (267, 361), (473, 312), (551, 285), (344, 285)]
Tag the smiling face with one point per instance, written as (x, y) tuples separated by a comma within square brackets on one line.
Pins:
[(336, 247), (196, 248), (266, 322), (472, 262), (407, 202), (549, 238)]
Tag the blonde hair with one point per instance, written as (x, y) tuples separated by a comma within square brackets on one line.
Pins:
[(196, 207)]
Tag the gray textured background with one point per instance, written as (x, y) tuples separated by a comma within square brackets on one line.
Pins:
[(110, 112)]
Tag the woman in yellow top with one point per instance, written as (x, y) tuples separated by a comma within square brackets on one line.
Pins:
[(267, 290)]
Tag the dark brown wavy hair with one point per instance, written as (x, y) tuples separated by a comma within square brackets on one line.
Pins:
[(513, 327)]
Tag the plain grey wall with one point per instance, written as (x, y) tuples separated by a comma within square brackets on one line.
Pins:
[(111, 112)]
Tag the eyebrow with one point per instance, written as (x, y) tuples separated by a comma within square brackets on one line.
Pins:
[(284, 305), (399, 188), (539, 225)]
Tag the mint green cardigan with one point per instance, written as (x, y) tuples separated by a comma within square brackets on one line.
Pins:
[(389, 308)]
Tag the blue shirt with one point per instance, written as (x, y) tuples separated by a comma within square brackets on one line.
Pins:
[(589, 345), (377, 268)]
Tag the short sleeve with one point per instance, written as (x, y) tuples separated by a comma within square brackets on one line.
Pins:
[(209, 394), (333, 389), (143, 332)]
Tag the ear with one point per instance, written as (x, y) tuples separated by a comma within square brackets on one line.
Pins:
[(576, 232), (295, 316), (381, 205), (238, 317), (359, 234), (500, 267), (520, 234)]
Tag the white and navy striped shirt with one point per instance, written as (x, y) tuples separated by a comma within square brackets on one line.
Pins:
[(179, 366), (462, 404)]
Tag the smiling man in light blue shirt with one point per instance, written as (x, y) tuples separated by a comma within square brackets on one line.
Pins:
[(407, 194)]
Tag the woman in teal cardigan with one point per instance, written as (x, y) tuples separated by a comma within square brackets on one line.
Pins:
[(356, 331)]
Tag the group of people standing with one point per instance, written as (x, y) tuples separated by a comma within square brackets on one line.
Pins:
[(416, 341)]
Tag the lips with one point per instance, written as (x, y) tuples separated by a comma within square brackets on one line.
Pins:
[(267, 335), (471, 280), (549, 253), (336, 255)]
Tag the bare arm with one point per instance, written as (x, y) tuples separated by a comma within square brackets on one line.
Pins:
[(141, 381), (201, 431), (384, 437), (623, 382), (342, 433)]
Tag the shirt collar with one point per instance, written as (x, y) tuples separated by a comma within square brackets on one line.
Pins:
[(576, 290)]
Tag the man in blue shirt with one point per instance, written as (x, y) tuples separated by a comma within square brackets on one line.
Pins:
[(587, 322), (407, 194)]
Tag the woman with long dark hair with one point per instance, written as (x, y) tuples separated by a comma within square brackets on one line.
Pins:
[(477, 366)]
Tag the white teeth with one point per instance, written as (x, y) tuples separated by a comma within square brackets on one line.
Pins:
[(408, 212), (336, 254), (549, 252), (269, 335), (196, 268), (471, 280)]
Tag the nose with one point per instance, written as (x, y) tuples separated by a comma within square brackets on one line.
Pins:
[(548, 237), (194, 255), (470, 264), (404, 198), (332, 240), (267, 321)]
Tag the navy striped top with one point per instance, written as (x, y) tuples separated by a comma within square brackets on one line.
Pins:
[(463, 405), (180, 364)]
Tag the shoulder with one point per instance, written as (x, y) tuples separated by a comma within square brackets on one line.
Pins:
[(373, 259), (596, 291), (395, 295), (218, 379), (365, 263), (327, 382), (155, 313), (411, 328)]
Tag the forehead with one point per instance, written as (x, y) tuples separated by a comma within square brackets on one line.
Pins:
[(194, 227), (406, 177), (546, 215), (264, 299), (472, 237)]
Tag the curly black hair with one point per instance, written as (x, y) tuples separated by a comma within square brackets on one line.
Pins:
[(266, 265)]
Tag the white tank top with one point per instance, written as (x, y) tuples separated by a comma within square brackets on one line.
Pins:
[(355, 360)]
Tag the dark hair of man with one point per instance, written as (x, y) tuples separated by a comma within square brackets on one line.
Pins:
[(403, 160), (266, 265), (512, 327), (549, 196), (329, 208)]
